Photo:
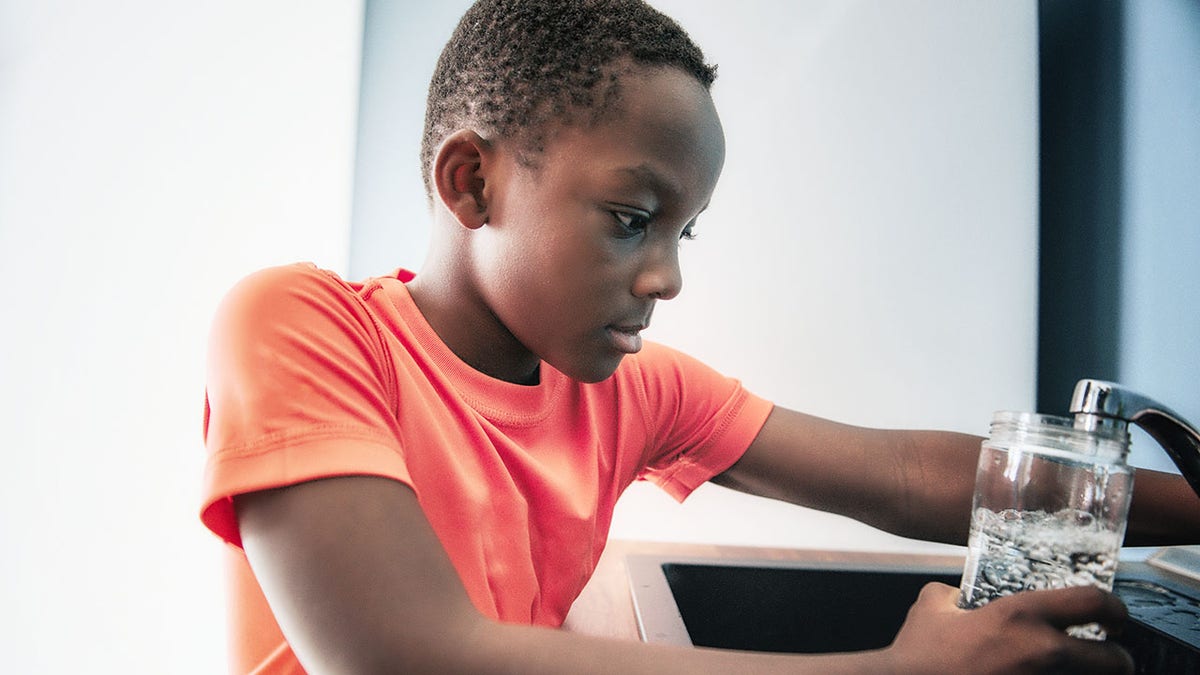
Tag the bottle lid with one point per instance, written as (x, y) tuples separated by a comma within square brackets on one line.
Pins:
[(1054, 434)]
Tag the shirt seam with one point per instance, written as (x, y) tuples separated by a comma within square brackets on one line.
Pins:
[(272, 441), (688, 458), (446, 365), (391, 385)]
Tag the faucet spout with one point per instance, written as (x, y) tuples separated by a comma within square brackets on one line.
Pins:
[(1097, 402)]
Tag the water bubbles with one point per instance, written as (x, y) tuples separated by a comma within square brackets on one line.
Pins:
[(1012, 551), (1082, 519)]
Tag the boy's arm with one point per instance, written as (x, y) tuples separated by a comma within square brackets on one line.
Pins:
[(360, 584), (916, 484)]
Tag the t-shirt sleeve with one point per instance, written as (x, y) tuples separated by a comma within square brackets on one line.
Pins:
[(297, 389), (701, 421)]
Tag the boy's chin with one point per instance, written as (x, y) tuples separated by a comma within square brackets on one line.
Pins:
[(592, 373)]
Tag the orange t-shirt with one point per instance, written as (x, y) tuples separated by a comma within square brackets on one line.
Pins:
[(311, 376)]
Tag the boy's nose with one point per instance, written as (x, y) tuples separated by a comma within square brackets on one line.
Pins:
[(660, 277)]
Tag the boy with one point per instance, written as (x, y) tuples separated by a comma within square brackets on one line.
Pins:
[(418, 471)]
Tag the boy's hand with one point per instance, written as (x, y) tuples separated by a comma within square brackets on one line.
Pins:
[(1021, 633)]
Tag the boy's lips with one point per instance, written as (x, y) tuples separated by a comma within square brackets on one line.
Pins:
[(627, 338)]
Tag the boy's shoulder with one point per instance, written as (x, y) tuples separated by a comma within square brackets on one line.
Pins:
[(295, 277), (296, 284), (272, 299)]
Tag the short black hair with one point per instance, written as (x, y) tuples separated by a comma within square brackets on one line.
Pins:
[(513, 66)]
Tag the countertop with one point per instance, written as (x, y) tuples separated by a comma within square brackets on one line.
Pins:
[(605, 607)]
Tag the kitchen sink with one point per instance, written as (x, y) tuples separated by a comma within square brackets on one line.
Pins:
[(799, 607)]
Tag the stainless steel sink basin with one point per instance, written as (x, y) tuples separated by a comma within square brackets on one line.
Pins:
[(810, 607)]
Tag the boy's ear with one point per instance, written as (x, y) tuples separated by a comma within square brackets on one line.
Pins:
[(459, 176)]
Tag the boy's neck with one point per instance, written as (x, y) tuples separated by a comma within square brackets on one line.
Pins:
[(465, 324)]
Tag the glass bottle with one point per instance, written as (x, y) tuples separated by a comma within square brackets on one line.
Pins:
[(1050, 508)]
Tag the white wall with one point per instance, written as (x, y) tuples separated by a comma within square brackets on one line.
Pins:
[(151, 153), (870, 254), (401, 44)]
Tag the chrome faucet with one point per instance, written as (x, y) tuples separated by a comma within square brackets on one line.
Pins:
[(1098, 404)]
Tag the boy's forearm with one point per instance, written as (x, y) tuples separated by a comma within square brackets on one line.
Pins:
[(529, 650), (938, 485), (1021, 633), (1165, 510)]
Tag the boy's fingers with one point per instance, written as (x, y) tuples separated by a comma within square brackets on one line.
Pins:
[(939, 587), (1061, 607), (939, 592), (1073, 606), (1065, 607)]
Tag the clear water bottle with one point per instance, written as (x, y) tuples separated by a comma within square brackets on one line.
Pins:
[(1050, 508)]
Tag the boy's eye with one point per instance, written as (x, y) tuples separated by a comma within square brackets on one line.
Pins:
[(687, 233), (631, 223)]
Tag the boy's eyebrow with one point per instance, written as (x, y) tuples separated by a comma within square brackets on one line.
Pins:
[(646, 173), (658, 182)]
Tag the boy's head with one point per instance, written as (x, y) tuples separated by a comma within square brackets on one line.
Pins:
[(569, 146), (517, 69)]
